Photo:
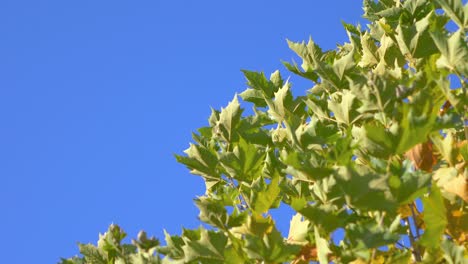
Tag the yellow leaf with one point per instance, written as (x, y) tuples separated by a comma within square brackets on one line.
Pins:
[(358, 261), (458, 186)]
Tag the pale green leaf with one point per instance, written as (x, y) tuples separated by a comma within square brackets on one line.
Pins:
[(322, 247), (345, 63), (320, 113), (342, 106), (228, 120), (369, 51), (455, 10), (453, 253), (298, 230), (454, 50)]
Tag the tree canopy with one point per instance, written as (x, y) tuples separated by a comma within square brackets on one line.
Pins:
[(376, 149)]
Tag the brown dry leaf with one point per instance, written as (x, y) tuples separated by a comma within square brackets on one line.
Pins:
[(307, 254), (422, 156), (420, 221), (445, 108), (404, 211)]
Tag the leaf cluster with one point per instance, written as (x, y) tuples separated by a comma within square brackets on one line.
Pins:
[(376, 149)]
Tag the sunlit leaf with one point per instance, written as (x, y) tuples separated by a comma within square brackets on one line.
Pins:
[(434, 218), (298, 230), (456, 11)]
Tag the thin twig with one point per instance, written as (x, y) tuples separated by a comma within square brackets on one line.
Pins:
[(242, 202), (465, 94), (416, 227), (401, 245), (416, 253)]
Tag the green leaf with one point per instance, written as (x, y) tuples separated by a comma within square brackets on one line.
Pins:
[(326, 217), (370, 56), (259, 82), (318, 111), (232, 256), (73, 260), (173, 248), (256, 225), (261, 88), (294, 68), (417, 122), (400, 258), (364, 189), (411, 184), (434, 218), (304, 166), (345, 63), (454, 50), (271, 248), (201, 161), (245, 162), (144, 243), (208, 249), (446, 148), (387, 9), (313, 60), (415, 40), (92, 254), (310, 53), (263, 200), (375, 140), (212, 211), (455, 10), (343, 107), (254, 96), (335, 154), (370, 234), (279, 108)]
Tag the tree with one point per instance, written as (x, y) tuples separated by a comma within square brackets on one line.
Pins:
[(377, 148)]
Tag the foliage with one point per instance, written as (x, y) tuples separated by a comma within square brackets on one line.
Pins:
[(377, 148)]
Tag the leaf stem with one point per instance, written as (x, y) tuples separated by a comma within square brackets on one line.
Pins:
[(401, 245), (242, 202), (415, 249)]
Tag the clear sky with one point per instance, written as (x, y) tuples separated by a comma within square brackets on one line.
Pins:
[(96, 97)]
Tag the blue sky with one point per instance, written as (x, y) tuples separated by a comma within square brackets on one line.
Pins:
[(97, 96)]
